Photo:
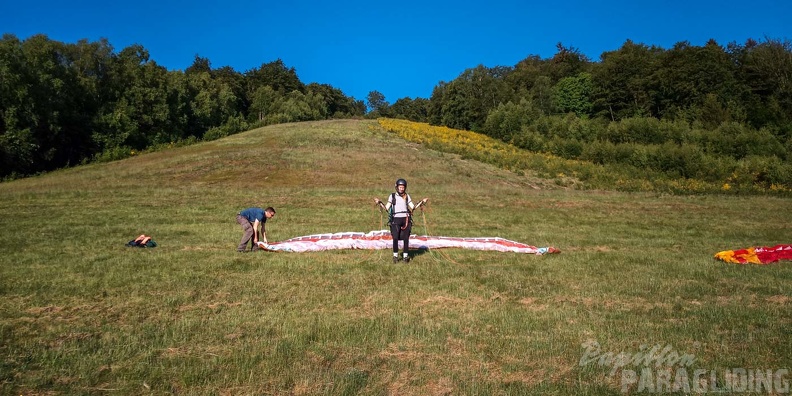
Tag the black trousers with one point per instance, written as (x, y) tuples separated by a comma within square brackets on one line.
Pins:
[(401, 234)]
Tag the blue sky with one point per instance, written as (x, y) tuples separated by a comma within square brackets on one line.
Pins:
[(399, 48)]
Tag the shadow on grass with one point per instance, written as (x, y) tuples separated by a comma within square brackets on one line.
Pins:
[(415, 252)]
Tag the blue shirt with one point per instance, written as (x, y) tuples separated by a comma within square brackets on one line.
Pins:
[(253, 214)]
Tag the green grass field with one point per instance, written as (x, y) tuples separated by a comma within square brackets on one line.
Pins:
[(80, 313)]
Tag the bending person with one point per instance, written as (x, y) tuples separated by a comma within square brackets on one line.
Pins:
[(400, 208), (251, 219)]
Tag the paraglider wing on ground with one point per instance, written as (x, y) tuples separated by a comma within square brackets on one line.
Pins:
[(756, 255), (382, 240)]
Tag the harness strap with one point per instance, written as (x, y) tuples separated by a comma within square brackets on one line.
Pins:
[(393, 205), (393, 210)]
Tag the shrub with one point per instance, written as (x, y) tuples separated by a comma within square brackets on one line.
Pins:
[(765, 143), (676, 160), (715, 168), (763, 172), (599, 152), (114, 154), (640, 157), (739, 141), (675, 131), (232, 125), (529, 139), (788, 149), (503, 121), (546, 126), (646, 130), (564, 148), (277, 118), (623, 152)]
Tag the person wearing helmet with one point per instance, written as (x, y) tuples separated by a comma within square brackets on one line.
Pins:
[(400, 208), (251, 219)]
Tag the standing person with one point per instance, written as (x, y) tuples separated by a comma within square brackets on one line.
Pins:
[(251, 219), (400, 208)]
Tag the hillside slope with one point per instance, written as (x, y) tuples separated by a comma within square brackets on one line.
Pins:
[(81, 313), (313, 172)]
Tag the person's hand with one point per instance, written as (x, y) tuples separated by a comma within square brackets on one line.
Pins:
[(377, 201), (425, 200)]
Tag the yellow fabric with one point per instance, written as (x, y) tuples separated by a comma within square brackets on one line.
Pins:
[(744, 256), (727, 256)]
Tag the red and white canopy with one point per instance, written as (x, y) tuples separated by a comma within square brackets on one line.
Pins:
[(382, 240)]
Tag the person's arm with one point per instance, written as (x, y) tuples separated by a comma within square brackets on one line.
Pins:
[(421, 202), (264, 234), (383, 205), (256, 224)]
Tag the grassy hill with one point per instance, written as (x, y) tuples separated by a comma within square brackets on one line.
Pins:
[(82, 314)]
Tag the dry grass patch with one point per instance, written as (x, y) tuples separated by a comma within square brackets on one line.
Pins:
[(779, 299)]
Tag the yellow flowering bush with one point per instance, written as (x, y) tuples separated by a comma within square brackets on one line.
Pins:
[(477, 146)]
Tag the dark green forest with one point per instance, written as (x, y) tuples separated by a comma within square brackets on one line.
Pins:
[(706, 112), (65, 104)]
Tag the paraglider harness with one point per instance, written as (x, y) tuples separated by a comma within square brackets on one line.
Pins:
[(392, 210), (142, 241)]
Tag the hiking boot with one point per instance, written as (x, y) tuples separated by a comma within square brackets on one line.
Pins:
[(395, 260), (406, 259)]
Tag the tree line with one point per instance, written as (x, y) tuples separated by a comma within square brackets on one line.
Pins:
[(708, 112), (64, 104), (681, 110), (749, 83)]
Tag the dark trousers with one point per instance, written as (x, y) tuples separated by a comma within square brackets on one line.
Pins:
[(401, 234)]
